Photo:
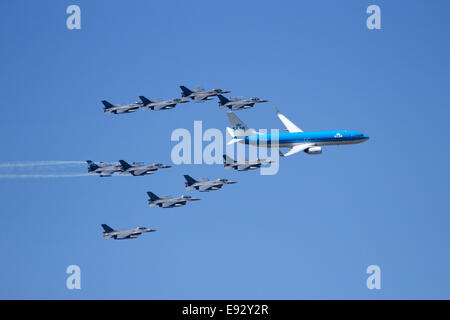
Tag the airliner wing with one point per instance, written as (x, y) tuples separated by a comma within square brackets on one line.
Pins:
[(287, 123), (297, 148)]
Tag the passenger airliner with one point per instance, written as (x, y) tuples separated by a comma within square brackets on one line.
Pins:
[(295, 139)]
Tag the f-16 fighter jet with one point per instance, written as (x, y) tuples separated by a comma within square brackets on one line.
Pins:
[(104, 169), (166, 202), (238, 104), (110, 108), (204, 184), (200, 94), (243, 165), (123, 234), (160, 105), (140, 169)]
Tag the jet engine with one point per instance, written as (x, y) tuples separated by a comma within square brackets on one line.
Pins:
[(314, 150)]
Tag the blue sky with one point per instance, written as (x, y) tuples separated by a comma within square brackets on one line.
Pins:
[(308, 232)]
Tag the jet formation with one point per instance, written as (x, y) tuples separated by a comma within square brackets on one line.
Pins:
[(197, 95), (295, 139)]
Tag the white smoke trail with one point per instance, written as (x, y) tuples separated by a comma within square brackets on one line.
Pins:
[(40, 163), (27, 176), (41, 169)]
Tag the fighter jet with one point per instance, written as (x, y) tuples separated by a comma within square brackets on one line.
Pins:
[(123, 234), (243, 165), (204, 184), (200, 94), (166, 202), (160, 105), (238, 104), (104, 169), (117, 109), (139, 169)]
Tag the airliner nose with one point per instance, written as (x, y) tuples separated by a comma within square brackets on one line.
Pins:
[(366, 137)]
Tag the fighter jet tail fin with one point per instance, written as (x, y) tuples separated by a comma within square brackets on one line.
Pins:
[(222, 101), (107, 105), (152, 196), (144, 100), (185, 92), (227, 160), (189, 180), (125, 165), (107, 228), (91, 165)]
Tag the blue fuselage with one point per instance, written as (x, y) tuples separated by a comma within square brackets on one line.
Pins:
[(318, 138)]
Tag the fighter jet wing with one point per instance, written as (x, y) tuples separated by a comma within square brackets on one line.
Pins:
[(238, 106), (287, 123), (297, 148), (243, 167), (204, 188), (127, 109), (141, 172), (106, 173), (171, 203), (125, 234), (200, 97), (165, 106)]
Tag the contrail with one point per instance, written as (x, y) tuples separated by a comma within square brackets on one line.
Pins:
[(40, 163), (27, 176), (41, 169)]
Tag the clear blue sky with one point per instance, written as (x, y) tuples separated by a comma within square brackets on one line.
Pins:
[(308, 232)]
